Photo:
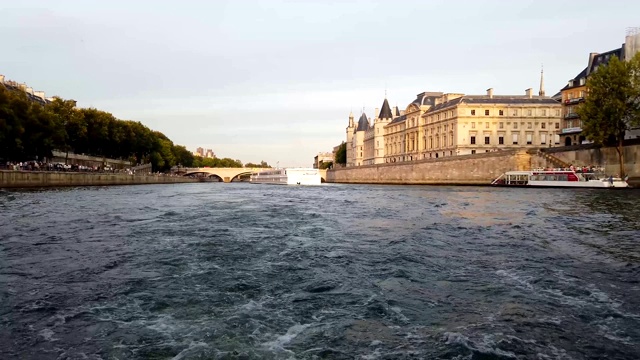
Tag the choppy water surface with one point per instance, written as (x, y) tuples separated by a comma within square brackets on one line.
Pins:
[(241, 271)]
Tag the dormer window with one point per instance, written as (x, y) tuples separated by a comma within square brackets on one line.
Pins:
[(582, 81)]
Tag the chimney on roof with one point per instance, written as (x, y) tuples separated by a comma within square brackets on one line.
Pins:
[(490, 93), (2, 79), (22, 87), (529, 93), (29, 90)]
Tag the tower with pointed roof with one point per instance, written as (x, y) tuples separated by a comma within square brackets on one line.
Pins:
[(350, 132), (383, 119)]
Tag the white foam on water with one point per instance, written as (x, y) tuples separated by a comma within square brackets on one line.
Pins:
[(186, 352), (250, 306), (519, 280), (375, 343), (282, 340), (47, 334)]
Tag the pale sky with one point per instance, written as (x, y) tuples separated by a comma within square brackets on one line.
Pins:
[(276, 80)]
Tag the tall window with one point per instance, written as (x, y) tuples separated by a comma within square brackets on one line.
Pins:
[(529, 138), (529, 126), (501, 112), (558, 112), (529, 112), (543, 125), (501, 140), (501, 125), (514, 138), (473, 140), (486, 125), (473, 125), (515, 112), (473, 112), (487, 140), (557, 125), (543, 139), (544, 112), (515, 125), (486, 113)]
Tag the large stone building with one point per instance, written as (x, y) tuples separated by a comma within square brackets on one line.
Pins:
[(437, 125), (574, 93)]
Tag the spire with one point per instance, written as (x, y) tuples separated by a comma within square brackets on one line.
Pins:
[(385, 112), (541, 92)]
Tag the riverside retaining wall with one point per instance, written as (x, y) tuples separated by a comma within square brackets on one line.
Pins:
[(478, 169), (481, 169), (39, 179)]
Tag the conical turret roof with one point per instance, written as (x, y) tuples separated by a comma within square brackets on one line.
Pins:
[(385, 112), (363, 123)]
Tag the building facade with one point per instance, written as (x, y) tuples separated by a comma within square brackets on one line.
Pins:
[(574, 93), (437, 125)]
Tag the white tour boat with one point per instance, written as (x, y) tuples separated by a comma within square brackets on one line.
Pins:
[(559, 178), (288, 176)]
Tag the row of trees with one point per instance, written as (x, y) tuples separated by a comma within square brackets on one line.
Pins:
[(612, 105), (30, 131)]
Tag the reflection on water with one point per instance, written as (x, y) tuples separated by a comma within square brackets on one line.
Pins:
[(245, 271)]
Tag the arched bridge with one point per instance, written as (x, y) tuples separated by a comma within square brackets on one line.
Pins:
[(226, 174)]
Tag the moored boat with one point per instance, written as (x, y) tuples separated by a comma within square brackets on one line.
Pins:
[(560, 178), (287, 176)]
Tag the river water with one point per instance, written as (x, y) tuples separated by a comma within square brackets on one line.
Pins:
[(242, 271)]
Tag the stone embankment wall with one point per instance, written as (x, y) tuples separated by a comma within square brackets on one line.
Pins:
[(31, 179), (601, 157), (479, 169)]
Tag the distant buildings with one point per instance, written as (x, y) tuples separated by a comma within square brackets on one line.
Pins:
[(208, 153), (574, 93), (37, 96), (322, 158)]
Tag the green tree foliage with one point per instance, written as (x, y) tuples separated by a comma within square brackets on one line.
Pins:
[(612, 104), (326, 165), (29, 131), (263, 164), (341, 154), (199, 161)]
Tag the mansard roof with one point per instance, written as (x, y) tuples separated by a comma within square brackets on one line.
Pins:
[(496, 99), (427, 98), (363, 123), (399, 119), (385, 112), (581, 75)]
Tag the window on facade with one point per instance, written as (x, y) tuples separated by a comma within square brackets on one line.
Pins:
[(473, 152), (487, 140), (501, 140), (473, 140), (582, 93), (473, 125), (557, 139), (438, 116), (558, 112), (515, 112), (501, 112), (486, 125), (360, 154), (501, 125), (528, 112), (557, 125), (529, 126), (445, 127), (543, 125), (473, 112), (543, 139), (486, 113), (451, 113), (544, 112), (514, 138), (451, 139), (515, 125), (529, 139)]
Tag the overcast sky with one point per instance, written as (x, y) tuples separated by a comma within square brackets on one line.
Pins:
[(276, 80)]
